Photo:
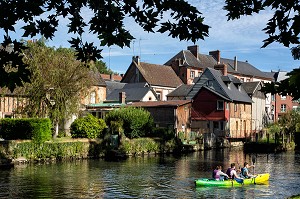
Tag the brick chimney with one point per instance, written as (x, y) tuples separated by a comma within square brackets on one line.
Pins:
[(136, 59), (222, 68), (194, 50), (235, 63), (122, 97), (216, 54)]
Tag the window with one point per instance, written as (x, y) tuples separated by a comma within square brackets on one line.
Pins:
[(93, 98), (248, 80), (235, 107), (158, 95), (244, 107), (216, 125), (227, 105), (273, 97), (237, 125), (283, 108), (199, 74), (222, 126), (220, 105), (192, 74), (242, 79), (283, 97)]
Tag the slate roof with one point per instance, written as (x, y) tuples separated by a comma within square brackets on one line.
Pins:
[(189, 59), (217, 86), (250, 87), (112, 85), (159, 75), (204, 61), (181, 91), (133, 91), (243, 68), (170, 103)]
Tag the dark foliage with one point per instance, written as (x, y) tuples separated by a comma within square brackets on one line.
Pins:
[(107, 23)]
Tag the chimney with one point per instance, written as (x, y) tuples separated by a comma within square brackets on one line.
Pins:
[(194, 50), (235, 63), (222, 68), (122, 97), (216, 54), (111, 77), (136, 59)]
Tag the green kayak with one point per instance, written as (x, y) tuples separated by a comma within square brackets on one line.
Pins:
[(258, 179)]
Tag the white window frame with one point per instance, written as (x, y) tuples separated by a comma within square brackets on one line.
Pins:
[(283, 108)]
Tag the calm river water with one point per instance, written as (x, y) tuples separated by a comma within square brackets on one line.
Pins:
[(150, 177)]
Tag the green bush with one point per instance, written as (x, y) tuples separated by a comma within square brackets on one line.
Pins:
[(87, 127), (162, 132), (36, 129), (137, 122)]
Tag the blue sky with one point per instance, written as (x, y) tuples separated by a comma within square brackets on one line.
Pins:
[(242, 38)]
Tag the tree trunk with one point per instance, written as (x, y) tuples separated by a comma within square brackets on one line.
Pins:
[(55, 133)]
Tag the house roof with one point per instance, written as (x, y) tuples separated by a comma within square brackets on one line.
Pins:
[(181, 91), (188, 59), (158, 75), (170, 103), (99, 81), (112, 85), (204, 61), (111, 77), (243, 68), (250, 87), (212, 80), (133, 92)]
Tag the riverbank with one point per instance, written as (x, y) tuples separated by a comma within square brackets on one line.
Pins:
[(22, 151), (263, 147)]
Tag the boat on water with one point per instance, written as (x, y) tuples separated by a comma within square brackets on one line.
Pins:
[(258, 179)]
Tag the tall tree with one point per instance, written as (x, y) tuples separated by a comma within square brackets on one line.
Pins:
[(102, 68), (57, 83), (183, 21)]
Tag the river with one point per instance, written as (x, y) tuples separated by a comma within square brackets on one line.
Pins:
[(150, 177)]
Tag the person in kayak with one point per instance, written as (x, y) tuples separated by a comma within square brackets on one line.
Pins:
[(231, 172), (218, 174), (245, 171)]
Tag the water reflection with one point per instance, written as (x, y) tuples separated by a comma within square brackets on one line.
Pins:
[(150, 177)]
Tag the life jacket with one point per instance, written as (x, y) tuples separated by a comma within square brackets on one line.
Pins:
[(215, 173), (228, 172)]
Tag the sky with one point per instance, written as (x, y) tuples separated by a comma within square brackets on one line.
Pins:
[(242, 38)]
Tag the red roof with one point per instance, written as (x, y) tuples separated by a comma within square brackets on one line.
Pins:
[(111, 77)]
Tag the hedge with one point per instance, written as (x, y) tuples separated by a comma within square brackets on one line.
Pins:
[(36, 129)]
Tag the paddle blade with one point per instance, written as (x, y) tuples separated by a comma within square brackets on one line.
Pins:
[(241, 181)]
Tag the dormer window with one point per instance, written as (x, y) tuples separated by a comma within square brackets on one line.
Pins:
[(209, 83), (192, 74)]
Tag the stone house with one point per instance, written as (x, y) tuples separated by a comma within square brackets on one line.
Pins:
[(162, 79)]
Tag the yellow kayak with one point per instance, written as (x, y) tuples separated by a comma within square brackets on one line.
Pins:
[(258, 179)]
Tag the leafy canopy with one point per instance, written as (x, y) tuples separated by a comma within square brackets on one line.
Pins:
[(283, 27), (57, 78), (184, 21)]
